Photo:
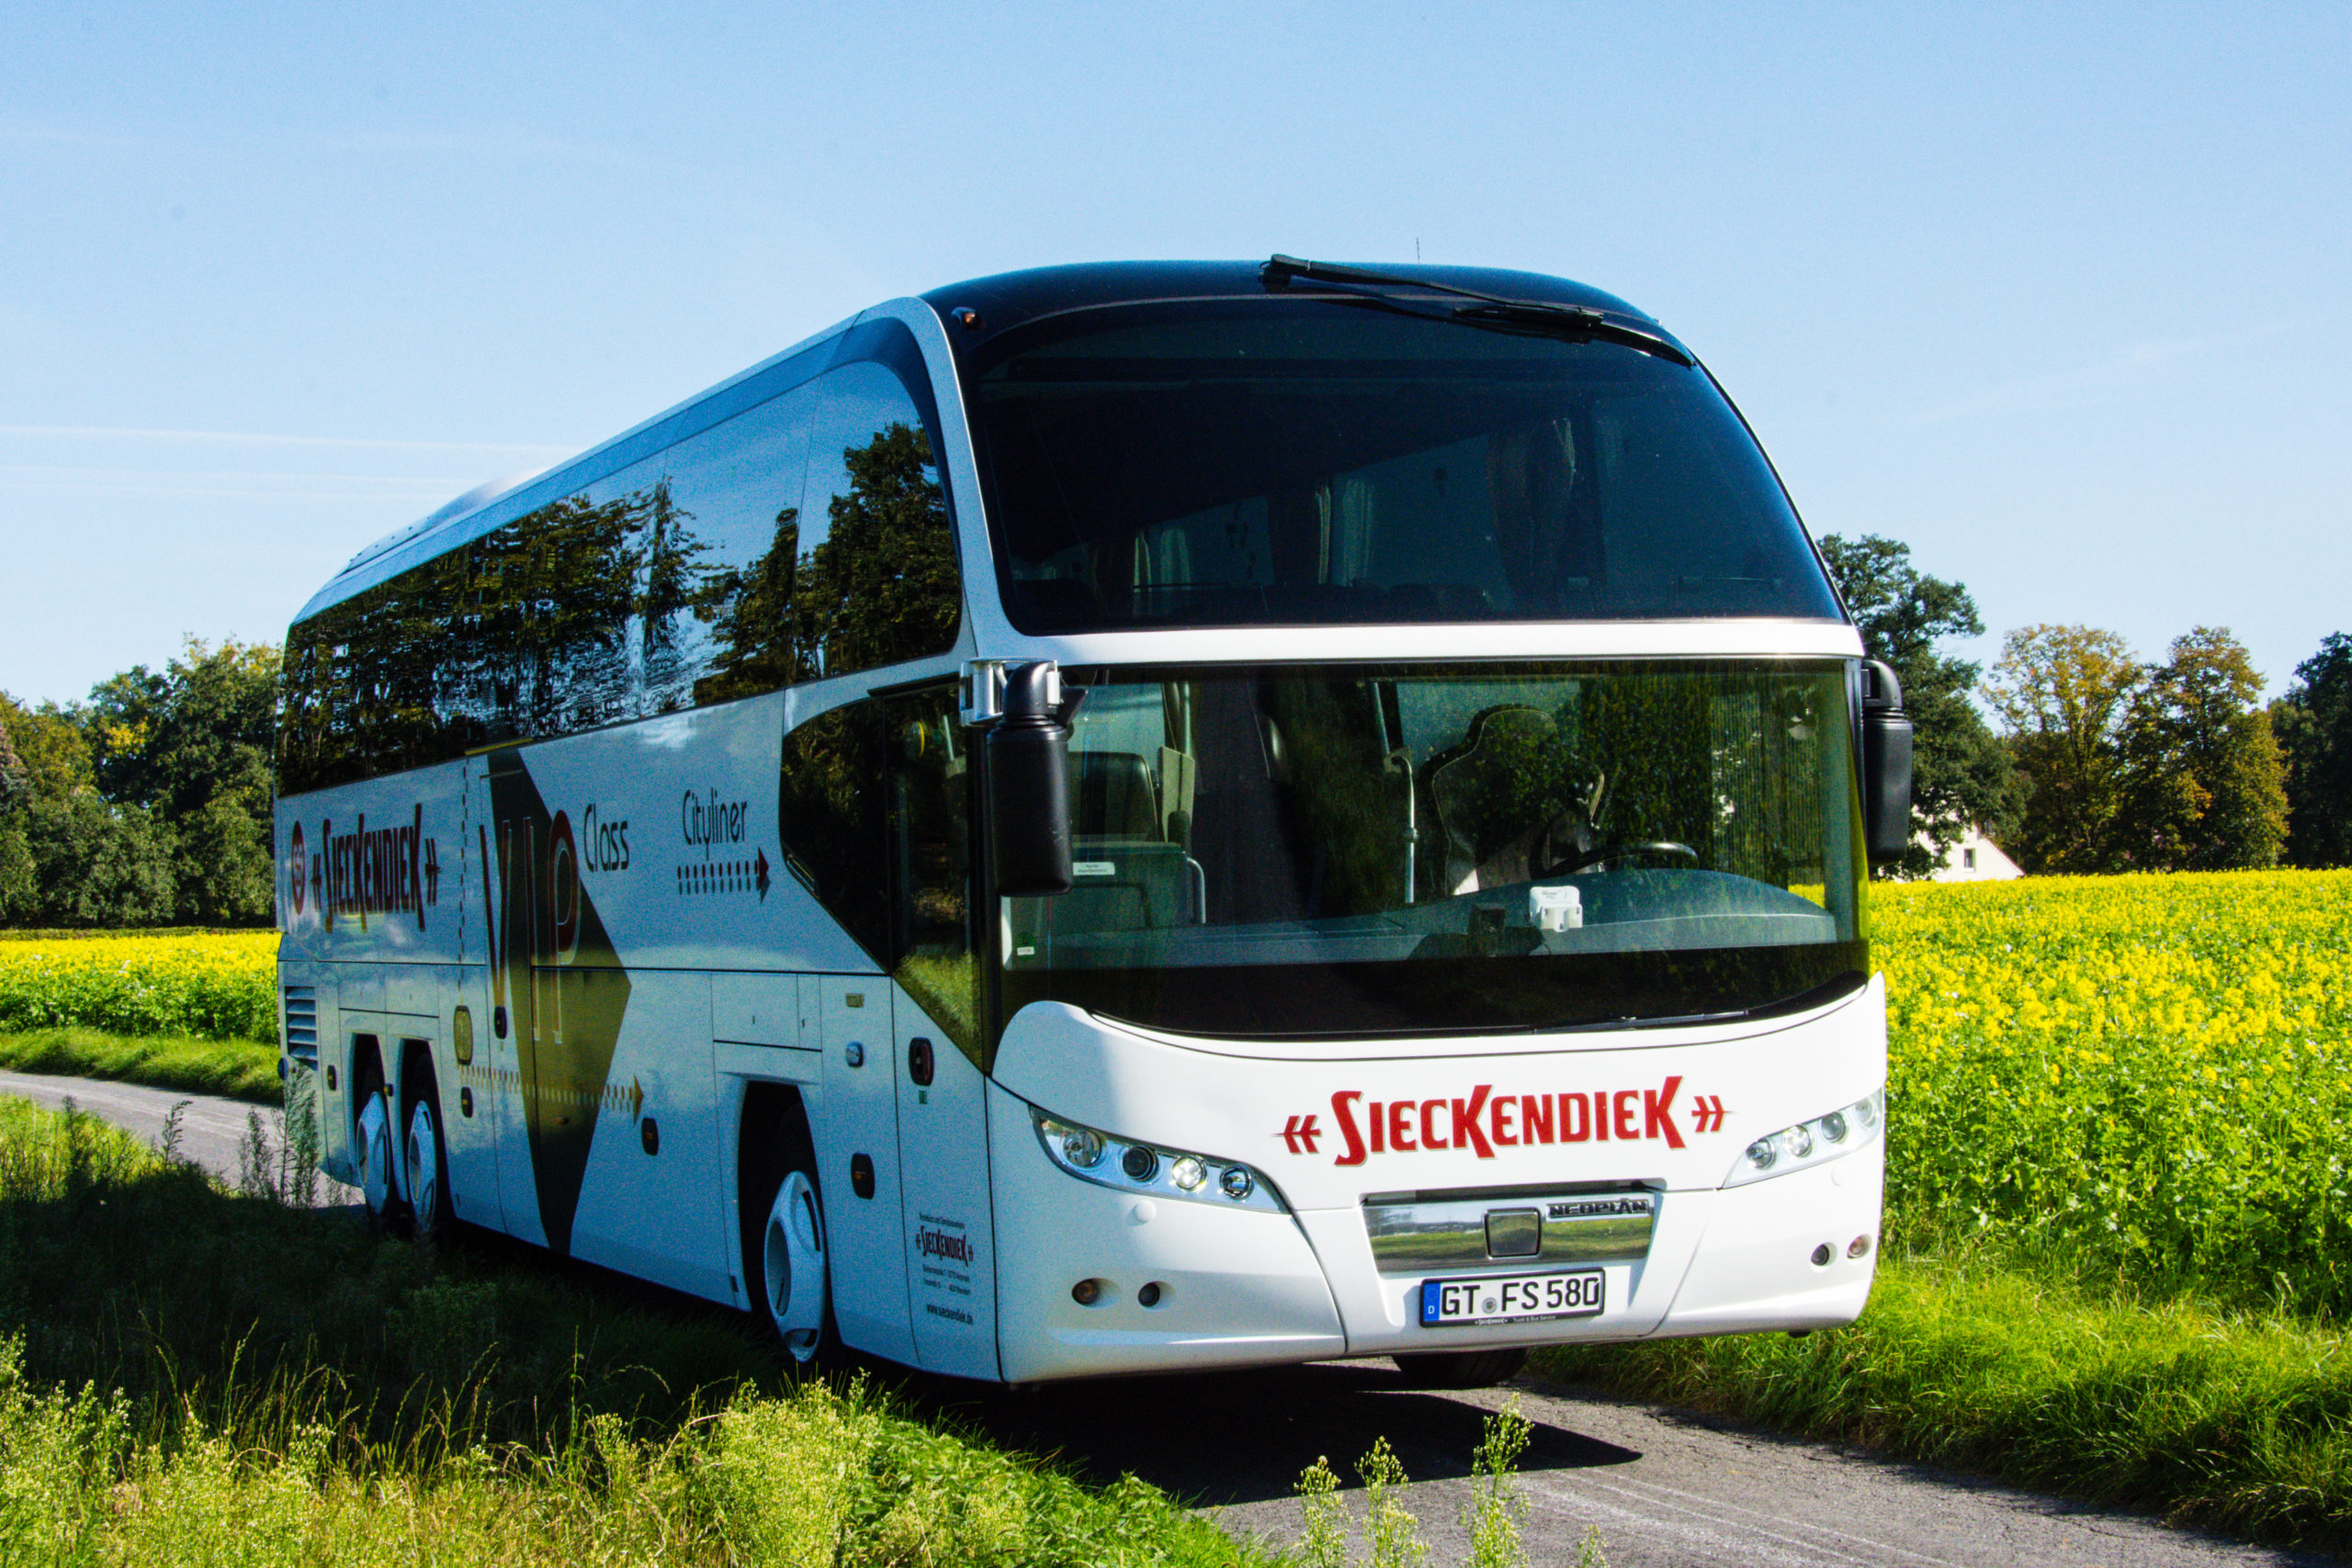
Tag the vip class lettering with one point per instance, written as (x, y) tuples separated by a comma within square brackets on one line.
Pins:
[(607, 840)]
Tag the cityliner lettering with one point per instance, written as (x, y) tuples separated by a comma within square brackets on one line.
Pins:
[(1483, 1121), (373, 871), (708, 820)]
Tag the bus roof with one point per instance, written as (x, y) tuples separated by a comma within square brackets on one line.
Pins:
[(1010, 299)]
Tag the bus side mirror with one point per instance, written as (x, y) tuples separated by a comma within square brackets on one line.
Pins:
[(1886, 765), (1028, 782)]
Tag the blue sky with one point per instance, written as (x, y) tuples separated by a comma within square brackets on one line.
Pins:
[(2057, 295)]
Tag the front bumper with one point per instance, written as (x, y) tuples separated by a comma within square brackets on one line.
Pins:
[(1238, 1288)]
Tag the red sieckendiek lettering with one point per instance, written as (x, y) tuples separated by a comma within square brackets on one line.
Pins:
[(1346, 1119)]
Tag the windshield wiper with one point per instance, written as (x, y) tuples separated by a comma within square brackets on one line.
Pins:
[(1494, 310)]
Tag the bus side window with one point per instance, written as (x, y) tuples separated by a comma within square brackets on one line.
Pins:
[(879, 578), (831, 820)]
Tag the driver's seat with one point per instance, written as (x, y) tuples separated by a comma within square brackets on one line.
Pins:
[(1495, 793)]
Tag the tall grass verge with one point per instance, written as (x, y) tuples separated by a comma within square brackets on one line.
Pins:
[(284, 1387), (2016, 1366), (238, 1069)]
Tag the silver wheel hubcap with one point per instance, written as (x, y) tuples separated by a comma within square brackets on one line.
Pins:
[(423, 1166), (376, 1155), (793, 1256)]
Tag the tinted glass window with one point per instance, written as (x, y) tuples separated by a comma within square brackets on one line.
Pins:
[(635, 596), (873, 816), (931, 862), (699, 574), (1451, 850), (1284, 461), (877, 580), (829, 819)]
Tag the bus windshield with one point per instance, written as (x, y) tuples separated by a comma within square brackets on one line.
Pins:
[(1282, 462), (1459, 850)]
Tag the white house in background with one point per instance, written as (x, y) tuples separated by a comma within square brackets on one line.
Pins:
[(1975, 858)]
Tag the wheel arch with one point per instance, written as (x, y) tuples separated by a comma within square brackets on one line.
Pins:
[(366, 1057), (773, 1137), (416, 1070)]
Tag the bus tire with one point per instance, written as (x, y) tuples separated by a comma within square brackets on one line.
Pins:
[(426, 1158), (377, 1153), (793, 1283), (1460, 1369)]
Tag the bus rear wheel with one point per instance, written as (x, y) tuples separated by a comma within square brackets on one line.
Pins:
[(377, 1154), (426, 1160), (1460, 1369), (792, 1274)]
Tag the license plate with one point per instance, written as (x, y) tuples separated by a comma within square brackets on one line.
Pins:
[(1511, 1298)]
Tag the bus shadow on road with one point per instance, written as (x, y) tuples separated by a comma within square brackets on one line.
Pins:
[(1225, 1438)]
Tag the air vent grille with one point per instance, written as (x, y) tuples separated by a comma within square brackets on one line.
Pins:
[(302, 1022)]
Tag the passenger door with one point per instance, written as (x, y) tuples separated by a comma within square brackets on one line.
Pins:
[(856, 1133), (943, 1102)]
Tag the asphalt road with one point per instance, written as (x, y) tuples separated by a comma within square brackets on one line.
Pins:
[(213, 1132), (1665, 1488)]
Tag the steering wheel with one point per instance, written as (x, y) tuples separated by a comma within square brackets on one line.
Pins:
[(1605, 852)]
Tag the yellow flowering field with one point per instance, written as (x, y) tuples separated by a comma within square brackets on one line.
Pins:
[(216, 984), (2151, 1073)]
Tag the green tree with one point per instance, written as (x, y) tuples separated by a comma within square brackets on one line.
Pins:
[(47, 761), (2313, 724), (2062, 694), (50, 748), (19, 893), (214, 781), (1961, 771), (149, 804), (16, 784), (2203, 783), (191, 747), (94, 864), (16, 855)]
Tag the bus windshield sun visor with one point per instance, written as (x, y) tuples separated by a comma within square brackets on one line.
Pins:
[(1577, 322)]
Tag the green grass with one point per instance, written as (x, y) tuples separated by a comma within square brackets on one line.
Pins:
[(2016, 1367), (240, 1069), (188, 1375)]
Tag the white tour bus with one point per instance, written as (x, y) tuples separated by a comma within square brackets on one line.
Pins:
[(1121, 818)]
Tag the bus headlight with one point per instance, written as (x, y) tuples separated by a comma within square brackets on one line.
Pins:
[(1808, 1144), (1080, 1147), (1125, 1165)]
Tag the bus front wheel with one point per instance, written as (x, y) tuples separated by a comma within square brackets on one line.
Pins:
[(1460, 1369), (792, 1268)]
